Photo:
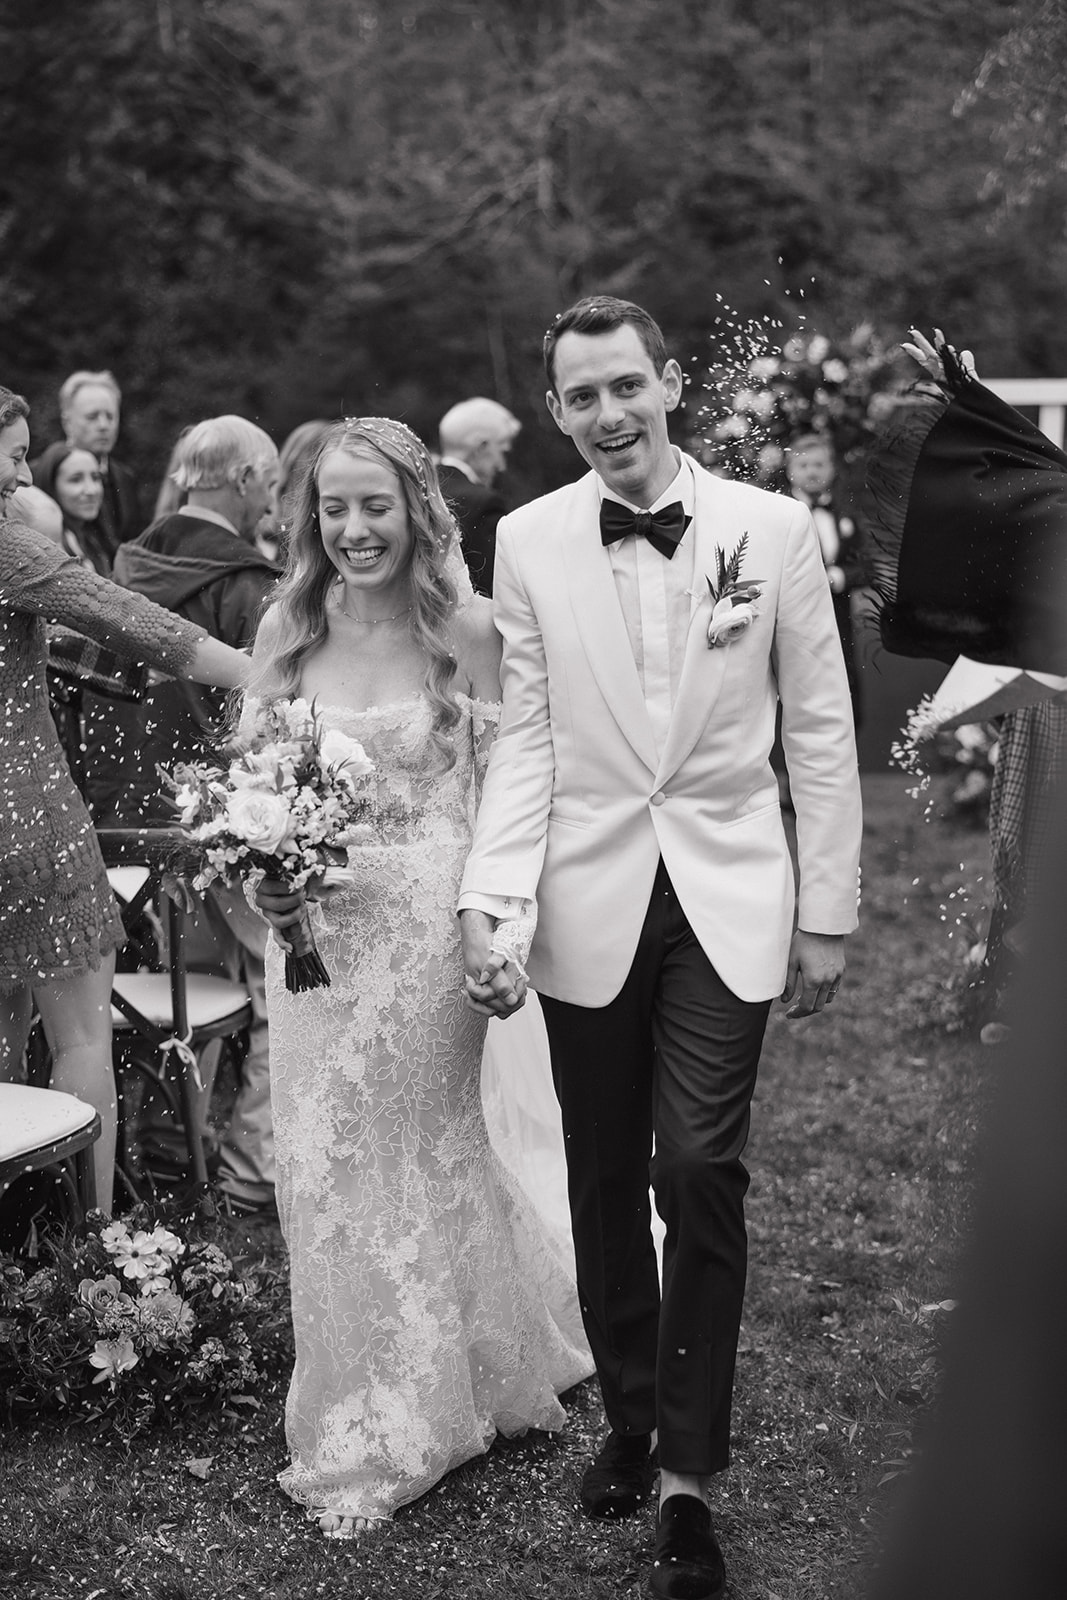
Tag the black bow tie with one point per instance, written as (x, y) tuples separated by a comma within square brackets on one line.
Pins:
[(663, 529)]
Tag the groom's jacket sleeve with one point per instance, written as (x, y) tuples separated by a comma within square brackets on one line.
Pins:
[(506, 858), (818, 738)]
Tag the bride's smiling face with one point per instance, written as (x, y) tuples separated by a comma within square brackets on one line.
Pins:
[(363, 520)]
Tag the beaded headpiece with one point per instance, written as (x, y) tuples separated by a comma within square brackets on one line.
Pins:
[(399, 437)]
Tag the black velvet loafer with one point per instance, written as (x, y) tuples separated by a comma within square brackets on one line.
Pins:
[(688, 1563), (619, 1480)]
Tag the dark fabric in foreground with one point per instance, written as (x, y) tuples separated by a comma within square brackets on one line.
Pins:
[(968, 501), (984, 1514)]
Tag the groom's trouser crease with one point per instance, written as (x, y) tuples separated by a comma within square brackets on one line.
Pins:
[(673, 1057)]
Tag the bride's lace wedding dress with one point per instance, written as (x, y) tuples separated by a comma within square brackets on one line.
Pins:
[(432, 1304)]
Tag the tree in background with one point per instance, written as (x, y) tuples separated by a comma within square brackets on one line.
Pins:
[(148, 226), (1024, 76), (296, 208)]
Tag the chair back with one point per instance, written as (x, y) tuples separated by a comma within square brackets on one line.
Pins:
[(159, 1024)]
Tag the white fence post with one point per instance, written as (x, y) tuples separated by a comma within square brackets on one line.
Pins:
[(1049, 395)]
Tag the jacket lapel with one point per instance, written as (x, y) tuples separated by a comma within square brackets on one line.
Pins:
[(599, 620), (703, 670)]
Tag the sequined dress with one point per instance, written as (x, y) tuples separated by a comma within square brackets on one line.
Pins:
[(431, 1305), (57, 914)]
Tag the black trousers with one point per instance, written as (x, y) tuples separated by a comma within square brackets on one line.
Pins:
[(671, 1063)]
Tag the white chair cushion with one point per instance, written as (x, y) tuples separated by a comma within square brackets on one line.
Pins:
[(126, 881), (209, 1000), (32, 1118)]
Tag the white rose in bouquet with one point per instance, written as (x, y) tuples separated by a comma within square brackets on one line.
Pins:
[(262, 820), (347, 757)]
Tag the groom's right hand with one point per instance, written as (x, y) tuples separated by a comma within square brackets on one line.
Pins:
[(494, 988)]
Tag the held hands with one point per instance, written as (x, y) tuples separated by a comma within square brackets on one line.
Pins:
[(816, 967), (494, 985)]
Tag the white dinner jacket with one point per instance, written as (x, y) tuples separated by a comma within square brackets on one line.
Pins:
[(578, 807)]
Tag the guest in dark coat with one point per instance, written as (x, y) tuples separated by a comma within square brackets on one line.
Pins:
[(475, 437), (812, 471)]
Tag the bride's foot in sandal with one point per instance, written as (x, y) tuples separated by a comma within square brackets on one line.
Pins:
[(338, 1525)]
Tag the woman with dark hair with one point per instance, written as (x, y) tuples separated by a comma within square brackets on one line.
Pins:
[(59, 924), (431, 1305), (73, 478)]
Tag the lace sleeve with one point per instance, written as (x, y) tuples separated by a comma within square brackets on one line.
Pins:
[(485, 720), (38, 577)]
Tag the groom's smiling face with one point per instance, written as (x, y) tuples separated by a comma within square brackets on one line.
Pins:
[(611, 401)]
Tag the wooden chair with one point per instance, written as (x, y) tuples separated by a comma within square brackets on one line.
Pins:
[(163, 1019), (44, 1128)]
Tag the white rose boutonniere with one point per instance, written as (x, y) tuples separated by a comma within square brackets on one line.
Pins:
[(733, 608)]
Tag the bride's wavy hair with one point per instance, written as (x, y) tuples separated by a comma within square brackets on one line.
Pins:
[(299, 603)]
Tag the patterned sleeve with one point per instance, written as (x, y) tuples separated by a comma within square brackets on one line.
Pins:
[(36, 576)]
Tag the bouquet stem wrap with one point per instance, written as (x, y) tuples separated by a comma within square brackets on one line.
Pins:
[(304, 967)]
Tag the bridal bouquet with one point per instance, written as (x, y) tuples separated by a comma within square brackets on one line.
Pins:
[(291, 799)]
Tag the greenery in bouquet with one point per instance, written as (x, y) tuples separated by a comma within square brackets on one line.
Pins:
[(757, 396), (137, 1321), (290, 800)]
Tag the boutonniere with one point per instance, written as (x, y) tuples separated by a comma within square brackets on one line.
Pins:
[(846, 527), (733, 608)]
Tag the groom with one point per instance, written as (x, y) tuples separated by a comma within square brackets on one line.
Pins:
[(630, 793)]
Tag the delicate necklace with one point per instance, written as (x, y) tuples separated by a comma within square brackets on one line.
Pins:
[(371, 622)]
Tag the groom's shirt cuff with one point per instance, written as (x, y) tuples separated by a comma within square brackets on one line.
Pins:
[(503, 907)]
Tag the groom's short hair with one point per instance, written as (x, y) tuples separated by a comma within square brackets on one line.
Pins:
[(603, 313)]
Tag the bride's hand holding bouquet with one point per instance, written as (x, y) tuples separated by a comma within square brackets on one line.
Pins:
[(278, 818)]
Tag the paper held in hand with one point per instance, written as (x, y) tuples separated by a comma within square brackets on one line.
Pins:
[(975, 692)]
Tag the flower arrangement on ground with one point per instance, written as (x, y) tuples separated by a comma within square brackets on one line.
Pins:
[(291, 799), (136, 1320)]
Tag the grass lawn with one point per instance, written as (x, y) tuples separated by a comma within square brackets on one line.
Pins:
[(863, 1133)]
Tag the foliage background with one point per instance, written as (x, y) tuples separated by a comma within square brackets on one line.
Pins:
[(291, 208)]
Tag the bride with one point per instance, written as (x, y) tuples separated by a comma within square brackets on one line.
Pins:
[(432, 1305)]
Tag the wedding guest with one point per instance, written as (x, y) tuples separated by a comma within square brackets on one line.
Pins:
[(475, 438), (168, 496), (202, 562), (71, 477), (59, 924), (630, 792), (95, 727), (430, 1306), (90, 405), (811, 468), (295, 458)]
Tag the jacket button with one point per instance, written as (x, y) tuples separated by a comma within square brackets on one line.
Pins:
[(658, 798)]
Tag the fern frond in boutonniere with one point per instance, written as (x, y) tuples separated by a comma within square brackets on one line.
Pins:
[(733, 608)]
